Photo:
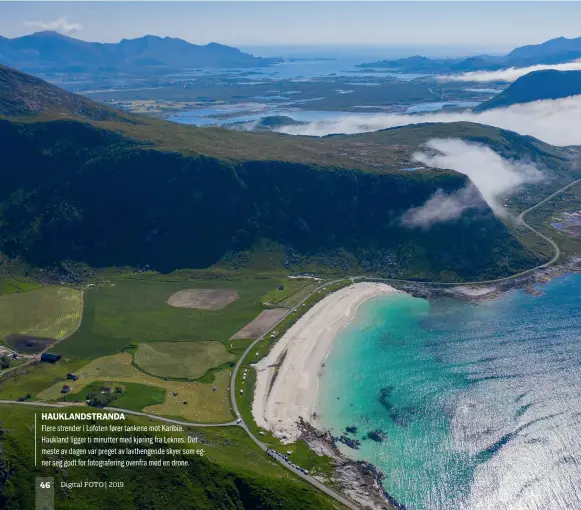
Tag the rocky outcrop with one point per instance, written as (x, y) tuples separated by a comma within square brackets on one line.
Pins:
[(359, 480)]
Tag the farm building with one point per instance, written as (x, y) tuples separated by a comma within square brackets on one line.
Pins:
[(49, 357)]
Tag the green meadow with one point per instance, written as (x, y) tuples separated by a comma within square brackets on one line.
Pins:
[(50, 312), (180, 360), (135, 309)]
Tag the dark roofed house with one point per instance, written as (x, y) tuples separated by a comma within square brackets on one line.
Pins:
[(72, 377), (49, 357)]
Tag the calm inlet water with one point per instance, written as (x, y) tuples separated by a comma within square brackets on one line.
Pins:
[(480, 402)]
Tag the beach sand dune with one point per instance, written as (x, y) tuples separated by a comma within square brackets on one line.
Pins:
[(288, 378)]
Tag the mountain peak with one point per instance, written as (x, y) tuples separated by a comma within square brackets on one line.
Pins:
[(49, 33), (55, 52)]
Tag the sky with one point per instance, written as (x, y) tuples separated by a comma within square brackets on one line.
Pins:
[(454, 27)]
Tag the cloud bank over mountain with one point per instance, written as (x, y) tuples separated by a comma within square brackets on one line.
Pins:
[(493, 176), (557, 121), (508, 75)]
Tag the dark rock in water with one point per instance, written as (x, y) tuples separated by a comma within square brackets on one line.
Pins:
[(377, 435), (384, 395), (352, 429), (401, 416), (360, 479), (351, 443)]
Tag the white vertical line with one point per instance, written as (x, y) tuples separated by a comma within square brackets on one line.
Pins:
[(35, 439)]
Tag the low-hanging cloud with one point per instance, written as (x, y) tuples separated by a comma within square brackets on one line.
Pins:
[(510, 74), (58, 25), (557, 121), (442, 207), (493, 178)]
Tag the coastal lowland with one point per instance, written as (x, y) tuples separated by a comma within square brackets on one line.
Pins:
[(169, 249)]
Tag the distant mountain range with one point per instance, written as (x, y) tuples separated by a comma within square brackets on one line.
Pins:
[(555, 51), (560, 49), (54, 52), (549, 84)]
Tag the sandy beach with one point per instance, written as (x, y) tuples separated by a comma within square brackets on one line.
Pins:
[(288, 378)]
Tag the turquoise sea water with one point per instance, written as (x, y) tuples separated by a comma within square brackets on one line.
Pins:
[(480, 402)]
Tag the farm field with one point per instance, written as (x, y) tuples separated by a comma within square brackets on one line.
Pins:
[(15, 285), (134, 396), (292, 294), (34, 378), (135, 309), (203, 404), (181, 360), (261, 324), (49, 313)]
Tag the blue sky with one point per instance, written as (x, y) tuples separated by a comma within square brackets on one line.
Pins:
[(465, 26)]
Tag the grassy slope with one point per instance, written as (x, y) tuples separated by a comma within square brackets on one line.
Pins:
[(256, 179), (30, 99), (536, 86), (36, 377), (134, 397), (52, 312), (233, 473), (203, 404), (550, 212), (180, 360)]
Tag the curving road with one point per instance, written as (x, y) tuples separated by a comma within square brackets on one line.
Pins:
[(121, 410), (240, 421), (520, 220), (310, 479), (313, 481)]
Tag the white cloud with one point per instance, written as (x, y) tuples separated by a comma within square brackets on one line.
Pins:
[(508, 75), (58, 25), (557, 122), (442, 207), (495, 178)]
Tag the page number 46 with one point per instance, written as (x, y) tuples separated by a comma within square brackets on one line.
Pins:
[(45, 485)]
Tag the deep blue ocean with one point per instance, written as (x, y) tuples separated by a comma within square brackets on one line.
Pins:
[(480, 403)]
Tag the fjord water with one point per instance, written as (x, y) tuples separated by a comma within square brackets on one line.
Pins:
[(480, 402)]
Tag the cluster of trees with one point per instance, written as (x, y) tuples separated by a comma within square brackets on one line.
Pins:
[(102, 398)]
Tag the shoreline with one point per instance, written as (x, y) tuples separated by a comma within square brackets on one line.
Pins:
[(484, 292), (287, 380)]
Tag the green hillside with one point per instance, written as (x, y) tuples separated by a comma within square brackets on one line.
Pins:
[(138, 191), (535, 86)]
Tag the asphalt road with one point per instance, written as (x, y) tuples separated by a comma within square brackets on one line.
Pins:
[(260, 444)]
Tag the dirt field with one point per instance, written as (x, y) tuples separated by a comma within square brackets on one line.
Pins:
[(203, 404), (203, 299), (181, 360), (265, 320)]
